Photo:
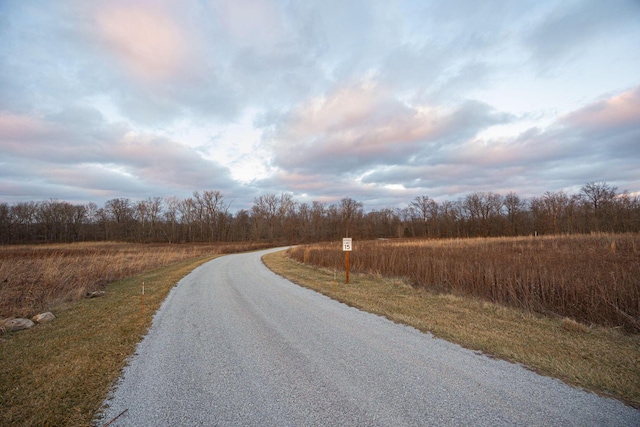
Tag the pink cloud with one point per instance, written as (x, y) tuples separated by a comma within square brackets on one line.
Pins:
[(44, 138), (14, 127), (365, 125), (145, 40), (609, 118), (163, 161), (301, 182), (29, 137), (618, 111), (490, 153), (363, 120)]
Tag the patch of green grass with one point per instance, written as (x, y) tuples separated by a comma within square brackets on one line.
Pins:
[(605, 361), (59, 373)]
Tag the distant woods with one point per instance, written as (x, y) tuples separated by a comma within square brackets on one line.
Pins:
[(205, 217)]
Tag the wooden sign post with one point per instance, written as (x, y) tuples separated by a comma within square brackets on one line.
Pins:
[(346, 247)]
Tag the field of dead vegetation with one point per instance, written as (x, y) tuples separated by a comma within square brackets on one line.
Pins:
[(593, 279), (35, 278)]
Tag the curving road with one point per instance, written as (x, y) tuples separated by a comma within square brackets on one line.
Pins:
[(236, 345)]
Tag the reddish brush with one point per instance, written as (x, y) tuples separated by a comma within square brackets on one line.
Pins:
[(590, 278)]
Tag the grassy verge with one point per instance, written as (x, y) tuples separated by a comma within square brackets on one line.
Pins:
[(59, 373), (605, 361)]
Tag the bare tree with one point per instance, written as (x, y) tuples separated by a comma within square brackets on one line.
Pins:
[(188, 216), (318, 221), (209, 204), (5, 224), (206, 217), (287, 216), (120, 212), (304, 222), (382, 223), (425, 210), (483, 209), (265, 214), (351, 213), (600, 197), (24, 215), (240, 229), (141, 216), (549, 212), (171, 219), (515, 208), (333, 222), (91, 215), (50, 217), (406, 219), (154, 205), (626, 212), (451, 219), (104, 223)]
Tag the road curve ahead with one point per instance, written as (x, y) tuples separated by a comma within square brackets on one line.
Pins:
[(236, 345)]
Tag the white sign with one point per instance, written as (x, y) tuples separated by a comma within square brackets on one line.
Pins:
[(346, 244)]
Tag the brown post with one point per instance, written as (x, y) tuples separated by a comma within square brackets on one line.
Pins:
[(346, 254)]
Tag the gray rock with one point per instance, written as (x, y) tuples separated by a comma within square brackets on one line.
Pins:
[(95, 294), (17, 324), (44, 317)]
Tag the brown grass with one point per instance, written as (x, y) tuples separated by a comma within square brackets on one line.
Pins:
[(35, 278), (603, 360), (593, 279)]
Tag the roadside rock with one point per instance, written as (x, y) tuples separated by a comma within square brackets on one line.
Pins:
[(17, 324), (95, 294), (44, 317)]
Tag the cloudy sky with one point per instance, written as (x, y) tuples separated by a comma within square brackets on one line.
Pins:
[(380, 101)]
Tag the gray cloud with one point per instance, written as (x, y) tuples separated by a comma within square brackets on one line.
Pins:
[(375, 100), (597, 142), (96, 157), (571, 26)]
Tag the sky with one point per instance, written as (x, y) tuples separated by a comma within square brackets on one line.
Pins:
[(379, 101)]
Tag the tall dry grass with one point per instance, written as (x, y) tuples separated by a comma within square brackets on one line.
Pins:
[(36, 277), (594, 279)]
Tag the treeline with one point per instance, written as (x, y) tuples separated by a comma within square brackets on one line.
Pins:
[(205, 217)]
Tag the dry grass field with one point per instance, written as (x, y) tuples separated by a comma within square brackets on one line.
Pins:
[(35, 278), (591, 279)]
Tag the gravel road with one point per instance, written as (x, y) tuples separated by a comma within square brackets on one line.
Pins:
[(236, 345)]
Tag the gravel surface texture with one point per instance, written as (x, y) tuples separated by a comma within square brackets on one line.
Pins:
[(236, 345)]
